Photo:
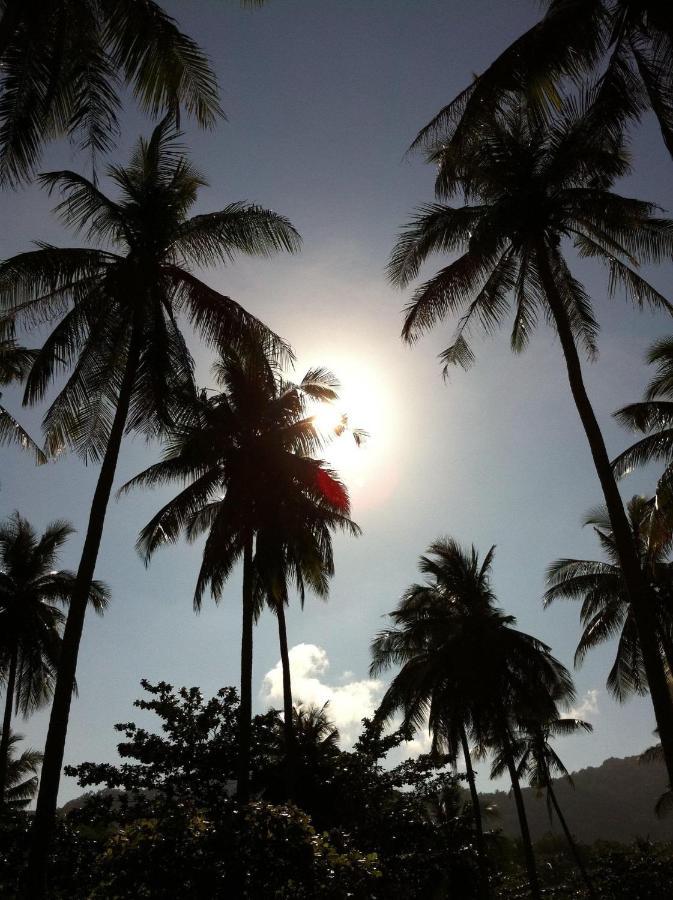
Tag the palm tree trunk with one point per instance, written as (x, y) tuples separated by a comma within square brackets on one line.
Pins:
[(245, 709), (529, 856), (35, 883), (668, 653), (6, 724), (573, 846), (640, 594), (288, 725), (476, 813)]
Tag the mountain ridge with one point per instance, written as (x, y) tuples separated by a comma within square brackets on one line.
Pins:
[(613, 801)]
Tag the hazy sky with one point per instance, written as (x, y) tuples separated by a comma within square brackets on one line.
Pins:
[(323, 97)]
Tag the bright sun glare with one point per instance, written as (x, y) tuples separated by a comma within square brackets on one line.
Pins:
[(365, 402)]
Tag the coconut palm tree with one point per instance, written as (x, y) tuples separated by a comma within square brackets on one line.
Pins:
[(653, 416), (252, 487), (538, 762), (62, 63), (15, 363), (297, 549), (465, 668), (630, 45), (32, 594), (317, 735), (451, 576), (607, 611), (21, 775), (528, 188), (117, 330)]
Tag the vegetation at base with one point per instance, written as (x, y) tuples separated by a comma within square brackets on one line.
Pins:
[(166, 825)]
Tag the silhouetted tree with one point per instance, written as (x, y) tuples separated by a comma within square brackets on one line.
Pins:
[(654, 414), (61, 65), (15, 363), (465, 668), (177, 830), (607, 610), (250, 486), (296, 545), (628, 45), (119, 334), (538, 762), (21, 774), (527, 187), (32, 593)]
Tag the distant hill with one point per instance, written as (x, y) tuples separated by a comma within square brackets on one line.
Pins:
[(613, 801)]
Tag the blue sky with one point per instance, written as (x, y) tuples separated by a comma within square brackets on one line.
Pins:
[(323, 99)]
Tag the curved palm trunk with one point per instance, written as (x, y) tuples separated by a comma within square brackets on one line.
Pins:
[(641, 597), (43, 822), (245, 709), (476, 813), (668, 654), (288, 725), (529, 856), (6, 724), (571, 842)]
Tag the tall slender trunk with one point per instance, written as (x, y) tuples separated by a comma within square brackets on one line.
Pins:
[(640, 594), (668, 653), (288, 724), (245, 709), (529, 856), (573, 846), (476, 813), (35, 882), (6, 724)]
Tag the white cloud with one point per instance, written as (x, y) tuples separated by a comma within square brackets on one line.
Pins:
[(349, 700), (587, 708), (420, 743)]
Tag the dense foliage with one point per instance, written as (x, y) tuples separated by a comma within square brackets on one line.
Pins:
[(166, 824)]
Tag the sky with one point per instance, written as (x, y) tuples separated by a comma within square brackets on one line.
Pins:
[(323, 99)]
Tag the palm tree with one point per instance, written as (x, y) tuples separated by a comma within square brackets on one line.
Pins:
[(15, 363), (465, 668), (21, 776), (31, 595), (253, 488), (539, 763), (607, 610), (298, 547), (61, 65), (118, 331), (654, 414), (450, 574), (317, 735), (629, 44), (527, 188)]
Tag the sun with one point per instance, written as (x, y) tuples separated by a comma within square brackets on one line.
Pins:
[(363, 410), (329, 419)]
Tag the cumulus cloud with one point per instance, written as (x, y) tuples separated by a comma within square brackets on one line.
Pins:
[(587, 708), (350, 700)]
